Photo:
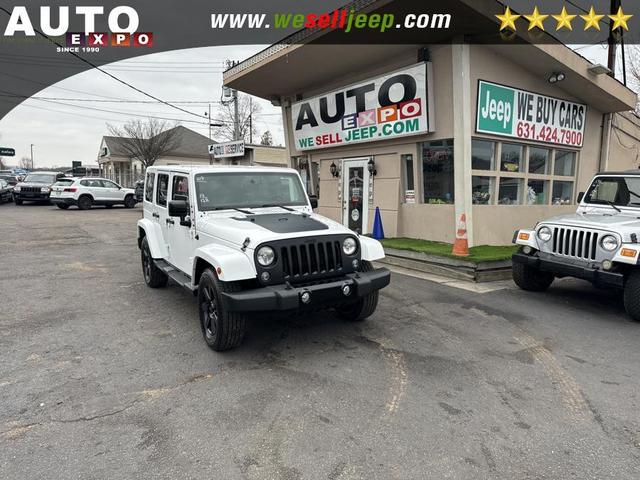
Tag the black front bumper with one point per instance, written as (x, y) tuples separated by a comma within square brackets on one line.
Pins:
[(322, 295), (600, 277), (31, 197)]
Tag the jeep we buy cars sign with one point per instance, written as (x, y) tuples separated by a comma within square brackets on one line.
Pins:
[(393, 105), (526, 115)]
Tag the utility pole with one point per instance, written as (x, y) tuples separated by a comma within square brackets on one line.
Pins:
[(251, 120), (236, 120), (611, 40), (210, 122)]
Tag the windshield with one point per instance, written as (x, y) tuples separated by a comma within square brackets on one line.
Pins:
[(244, 189), (619, 191), (40, 178)]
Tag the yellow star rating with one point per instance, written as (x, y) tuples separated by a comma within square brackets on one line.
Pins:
[(592, 20), (620, 20), (535, 19), (508, 20), (564, 19)]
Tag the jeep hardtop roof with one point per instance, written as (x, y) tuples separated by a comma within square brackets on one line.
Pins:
[(187, 169)]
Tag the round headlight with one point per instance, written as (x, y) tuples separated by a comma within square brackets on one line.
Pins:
[(266, 256), (609, 243), (545, 234), (349, 246), (45, 189)]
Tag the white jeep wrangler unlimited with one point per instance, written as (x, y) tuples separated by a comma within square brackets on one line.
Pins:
[(245, 240), (599, 243)]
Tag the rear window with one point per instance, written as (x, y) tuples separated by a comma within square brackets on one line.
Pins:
[(40, 178), (148, 189), (64, 181)]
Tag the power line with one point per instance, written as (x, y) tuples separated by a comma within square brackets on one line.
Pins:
[(84, 60), (146, 102)]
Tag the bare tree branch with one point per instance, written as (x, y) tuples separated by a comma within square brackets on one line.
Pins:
[(146, 140), (266, 138), (246, 108), (26, 163)]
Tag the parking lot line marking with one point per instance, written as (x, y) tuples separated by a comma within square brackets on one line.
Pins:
[(399, 376)]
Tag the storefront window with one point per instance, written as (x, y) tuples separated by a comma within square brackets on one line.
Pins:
[(437, 171), (482, 190), (537, 192), (511, 157), (562, 193), (565, 164), (539, 160), (407, 162), (482, 155), (510, 191)]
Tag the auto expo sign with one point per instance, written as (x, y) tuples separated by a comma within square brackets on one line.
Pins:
[(525, 115), (393, 105)]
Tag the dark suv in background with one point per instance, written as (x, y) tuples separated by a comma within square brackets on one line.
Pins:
[(36, 187)]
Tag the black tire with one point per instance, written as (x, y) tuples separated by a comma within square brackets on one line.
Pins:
[(221, 330), (531, 279), (17, 202), (632, 295), (363, 308), (85, 202), (62, 206), (153, 276), (129, 201)]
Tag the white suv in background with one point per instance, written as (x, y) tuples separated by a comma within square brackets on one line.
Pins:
[(86, 192)]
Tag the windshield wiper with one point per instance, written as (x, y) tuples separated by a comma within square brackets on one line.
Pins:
[(279, 206), (246, 212), (609, 202)]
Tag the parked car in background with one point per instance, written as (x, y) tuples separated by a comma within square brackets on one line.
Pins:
[(36, 187), (87, 192), (10, 179), (139, 188), (6, 191)]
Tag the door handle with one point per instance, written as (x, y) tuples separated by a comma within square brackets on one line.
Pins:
[(155, 215), (170, 221)]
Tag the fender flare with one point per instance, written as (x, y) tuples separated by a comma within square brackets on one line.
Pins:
[(230, 264), (371, 249), (153, 232)]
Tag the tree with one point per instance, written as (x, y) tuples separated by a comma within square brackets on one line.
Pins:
[(634, 67), (26, 163), (146, 140), (247, 109), (266, 139)]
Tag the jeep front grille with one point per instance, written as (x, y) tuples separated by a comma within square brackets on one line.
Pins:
[(30, 189), (301, 261), (574, 242)]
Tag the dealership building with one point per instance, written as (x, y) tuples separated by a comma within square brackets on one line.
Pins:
[(505, 135)]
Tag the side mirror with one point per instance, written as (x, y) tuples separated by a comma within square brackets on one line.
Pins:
[(178, 208), (314, 201), (580, 197)]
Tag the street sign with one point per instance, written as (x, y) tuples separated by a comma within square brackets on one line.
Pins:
[(229, 149), (7, 152)]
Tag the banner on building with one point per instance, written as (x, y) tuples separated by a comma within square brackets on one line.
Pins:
[(228, 149), (393, 105), (524, 115)]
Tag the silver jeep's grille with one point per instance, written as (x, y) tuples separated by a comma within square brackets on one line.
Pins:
[(575, 242)]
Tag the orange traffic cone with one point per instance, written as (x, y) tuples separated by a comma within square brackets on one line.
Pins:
[(461, 245)]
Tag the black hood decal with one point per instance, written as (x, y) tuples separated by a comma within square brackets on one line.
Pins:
[(284, 222)]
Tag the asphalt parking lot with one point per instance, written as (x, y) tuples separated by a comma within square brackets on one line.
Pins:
[(102, 377)]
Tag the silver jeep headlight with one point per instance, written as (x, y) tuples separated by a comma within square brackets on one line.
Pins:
[(349, 246), (266, 256), (545, 234), (609, 243), (45, 190)]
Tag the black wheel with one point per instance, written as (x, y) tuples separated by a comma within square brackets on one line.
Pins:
[(129, 201), (531, 279), (632, 295), (85, 202), (364, 307), (221, 330), (153, 276), (17, 201), (62, 206)]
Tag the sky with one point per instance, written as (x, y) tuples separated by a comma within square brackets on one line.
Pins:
[(64, 133)]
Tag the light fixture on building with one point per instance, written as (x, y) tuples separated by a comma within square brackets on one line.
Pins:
[(334, 170), (371, 166), (599, 69), (557, 77)]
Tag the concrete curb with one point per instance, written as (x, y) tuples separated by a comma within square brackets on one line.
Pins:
[(448, 267)]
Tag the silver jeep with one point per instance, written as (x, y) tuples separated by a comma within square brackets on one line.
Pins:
[(598, 243)]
